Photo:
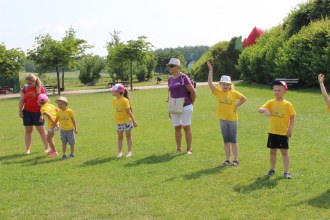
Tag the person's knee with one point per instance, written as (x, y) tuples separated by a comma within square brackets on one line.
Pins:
[(186, 128), (178, 128), (273, 152)]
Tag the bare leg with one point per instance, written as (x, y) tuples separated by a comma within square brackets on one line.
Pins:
[(188, 135), (129, 140), (178, 136), (43, 135), (234, 147), (227, 150), (286, 161), (120, 141), (72, 148), (28, 138), (273, 158), (64, 148), (50, 140)]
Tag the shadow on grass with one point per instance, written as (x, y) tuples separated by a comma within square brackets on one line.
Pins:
[(97, 161), (32, 161), (322, 201), (12, 156), (154, 159), (198, 174), (260, 183)]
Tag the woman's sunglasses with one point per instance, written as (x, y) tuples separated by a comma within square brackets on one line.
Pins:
[(171, 66)]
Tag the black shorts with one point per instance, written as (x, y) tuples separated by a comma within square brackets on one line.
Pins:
[(32, 118), (277, 141)]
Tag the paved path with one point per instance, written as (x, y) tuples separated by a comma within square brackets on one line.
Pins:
[(160, 86)]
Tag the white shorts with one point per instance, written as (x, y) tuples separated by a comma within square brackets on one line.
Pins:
[(183, 119)]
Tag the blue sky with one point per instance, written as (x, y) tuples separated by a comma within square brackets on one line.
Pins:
[(169, 23)]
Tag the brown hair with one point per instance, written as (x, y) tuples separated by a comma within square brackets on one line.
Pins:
[(125, 94)]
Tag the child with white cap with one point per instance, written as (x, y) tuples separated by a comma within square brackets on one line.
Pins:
[(124, 117), (281, 115), (227, 113), (49, 111), (68, 126)]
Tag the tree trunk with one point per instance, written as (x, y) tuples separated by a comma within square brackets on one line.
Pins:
[(62, 79), (58, 81)]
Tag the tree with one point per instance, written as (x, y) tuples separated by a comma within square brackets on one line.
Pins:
[(90, 69), (125, 54), (59, 54), (75, 47), (11, 62)]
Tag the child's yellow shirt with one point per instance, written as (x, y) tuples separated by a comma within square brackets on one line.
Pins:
[(51, 110), (65, 119), (280, 113), (121, 105), (226, 104)]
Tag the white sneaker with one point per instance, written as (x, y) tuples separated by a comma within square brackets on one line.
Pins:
[(28, 151), (129, 154), (119, 155), (189, 152)]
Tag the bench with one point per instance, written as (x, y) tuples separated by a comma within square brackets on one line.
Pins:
[(6, 90), (51, 88), (289, 82), (124, 83)]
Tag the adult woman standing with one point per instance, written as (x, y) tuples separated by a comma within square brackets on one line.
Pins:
[(179, 85), (29, 110)]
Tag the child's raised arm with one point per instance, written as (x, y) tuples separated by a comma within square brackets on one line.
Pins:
[(210, 77), (323, 89)]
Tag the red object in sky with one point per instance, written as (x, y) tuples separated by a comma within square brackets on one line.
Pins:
[(251, 39)]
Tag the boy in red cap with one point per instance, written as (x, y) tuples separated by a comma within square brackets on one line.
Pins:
[(281, 115)]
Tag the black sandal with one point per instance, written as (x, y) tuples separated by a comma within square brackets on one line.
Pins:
[(235, 163), (225, 163)]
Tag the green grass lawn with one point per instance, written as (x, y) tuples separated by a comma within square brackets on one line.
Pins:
[(158, 184)]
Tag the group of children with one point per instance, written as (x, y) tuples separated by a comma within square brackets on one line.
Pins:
[(280, 112), (61, 118)]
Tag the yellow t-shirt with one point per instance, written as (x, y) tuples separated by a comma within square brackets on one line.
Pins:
[(280, 113), (65, 119), (121, 105), (51, 110), (226, 104)]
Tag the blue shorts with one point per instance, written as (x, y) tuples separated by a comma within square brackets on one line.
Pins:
[(32, 118), (229, 131), (67, 137)]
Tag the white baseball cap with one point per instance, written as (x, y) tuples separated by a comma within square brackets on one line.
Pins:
[(174, 61), (225, 79)]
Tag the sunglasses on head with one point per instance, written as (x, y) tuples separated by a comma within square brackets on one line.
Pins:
[(171, 66)]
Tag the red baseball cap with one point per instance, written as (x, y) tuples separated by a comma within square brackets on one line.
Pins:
[(281, 83)]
